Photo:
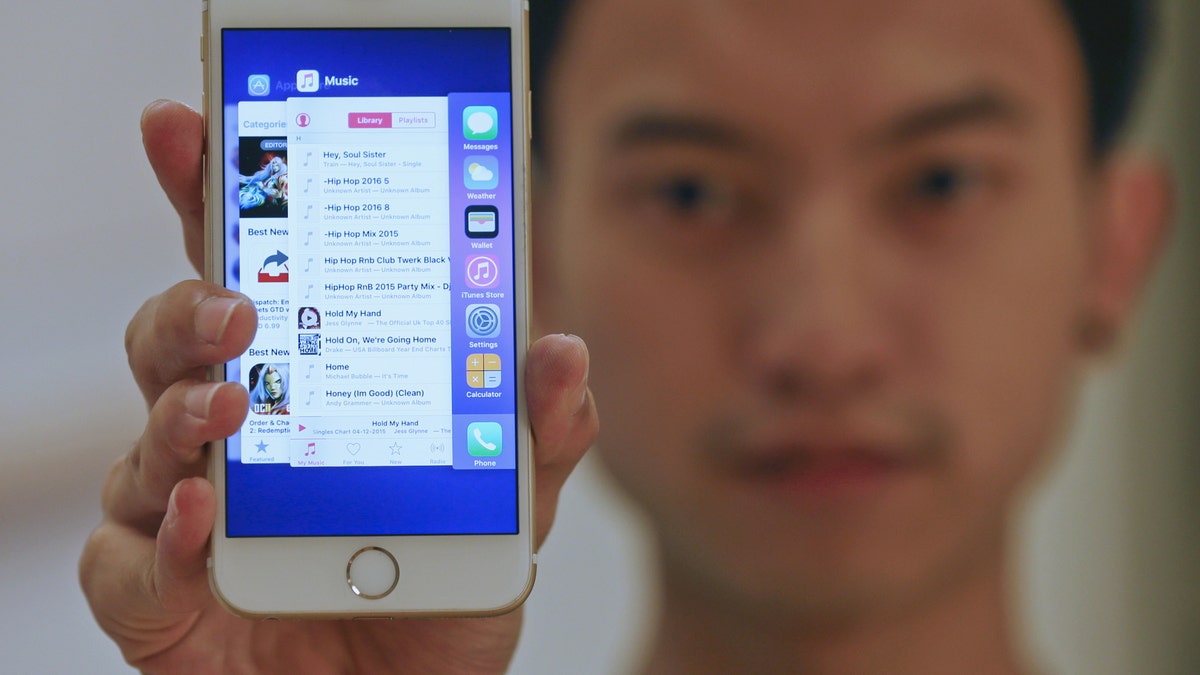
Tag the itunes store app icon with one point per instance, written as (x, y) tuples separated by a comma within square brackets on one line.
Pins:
[(483, 271)]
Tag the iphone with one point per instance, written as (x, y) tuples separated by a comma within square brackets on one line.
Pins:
[(366, 187)]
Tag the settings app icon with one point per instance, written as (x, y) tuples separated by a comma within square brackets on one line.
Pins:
[(483, 321)]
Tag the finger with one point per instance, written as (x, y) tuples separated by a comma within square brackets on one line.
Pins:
[(173, 135), (177, 334), (181, 568), (187, 416), (562, 414), (142, 588)]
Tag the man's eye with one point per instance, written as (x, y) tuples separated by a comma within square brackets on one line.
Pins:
[(687, 195), (692, 197), (945, 183), (942, 194)]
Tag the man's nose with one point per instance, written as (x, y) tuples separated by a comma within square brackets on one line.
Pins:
[(817, 323)]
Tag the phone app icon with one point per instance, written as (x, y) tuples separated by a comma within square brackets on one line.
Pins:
[(483, 371), (481, 172), (485, 439), (258, 85), (483, 271), (483, 321), (480, 123), (308, 81), (482, 222)]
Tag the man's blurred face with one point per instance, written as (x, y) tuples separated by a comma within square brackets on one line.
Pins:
[(830, 260)]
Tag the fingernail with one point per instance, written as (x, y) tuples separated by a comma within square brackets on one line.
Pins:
[(583, 396), (151, 107), (212, 317), (172, 515), (199, 398)]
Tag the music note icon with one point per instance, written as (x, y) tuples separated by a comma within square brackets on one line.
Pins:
[(310, 260), (308, 292), (312, 450), (306, 158), (308, 212), (308, 376), (307, 239), (308, 401), (307, 186), (483, 271)]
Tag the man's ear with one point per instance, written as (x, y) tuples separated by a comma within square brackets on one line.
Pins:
[(1132, 220)]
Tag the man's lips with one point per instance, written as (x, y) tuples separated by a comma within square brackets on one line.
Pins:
[(819, 464), (780, 461), (830, 455), (821, 473)]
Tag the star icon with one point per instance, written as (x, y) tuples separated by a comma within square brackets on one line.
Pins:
[(396, 447), (262, 447)]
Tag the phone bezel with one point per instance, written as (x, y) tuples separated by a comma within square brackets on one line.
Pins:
[(440, 575)]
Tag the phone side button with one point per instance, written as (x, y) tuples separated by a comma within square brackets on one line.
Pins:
[(372, 573)]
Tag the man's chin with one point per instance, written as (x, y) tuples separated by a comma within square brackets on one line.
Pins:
[(848, 560), (802, 592), (843, 536)]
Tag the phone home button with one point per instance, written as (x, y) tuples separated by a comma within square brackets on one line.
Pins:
[(372, 572)]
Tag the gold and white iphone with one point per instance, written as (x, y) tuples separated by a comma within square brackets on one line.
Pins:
[(366, 188)]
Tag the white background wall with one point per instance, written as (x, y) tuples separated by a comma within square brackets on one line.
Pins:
[(1111, 556)]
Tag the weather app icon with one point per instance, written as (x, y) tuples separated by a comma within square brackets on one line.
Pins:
[(481, 172), (259, 85)]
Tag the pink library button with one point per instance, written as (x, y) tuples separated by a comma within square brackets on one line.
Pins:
[(370, 120)]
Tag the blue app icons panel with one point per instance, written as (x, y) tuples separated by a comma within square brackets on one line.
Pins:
[(485, 280)]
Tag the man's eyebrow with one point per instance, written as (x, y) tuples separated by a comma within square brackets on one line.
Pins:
[(977, 107), (657, 127)]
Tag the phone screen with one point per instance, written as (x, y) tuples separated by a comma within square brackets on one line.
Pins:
[(368, 212)]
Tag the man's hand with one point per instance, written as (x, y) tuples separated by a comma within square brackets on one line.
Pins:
[(143, 569)]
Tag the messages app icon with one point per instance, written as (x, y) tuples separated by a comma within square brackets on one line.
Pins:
[(479, 123), (485, 439)]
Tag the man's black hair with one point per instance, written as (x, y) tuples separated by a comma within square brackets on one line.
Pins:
[(1114, 38)]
